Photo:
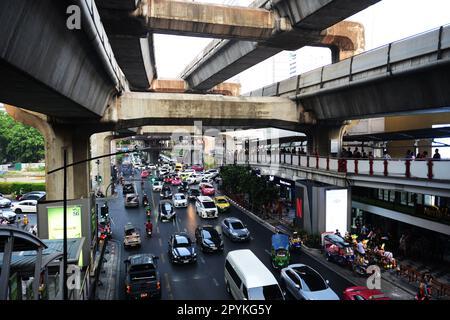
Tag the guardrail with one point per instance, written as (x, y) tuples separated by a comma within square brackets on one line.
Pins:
[(399, 168)]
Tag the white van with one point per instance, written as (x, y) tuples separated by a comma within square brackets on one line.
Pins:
[(247, 278)]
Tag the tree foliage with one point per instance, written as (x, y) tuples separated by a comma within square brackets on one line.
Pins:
[(19, 143)]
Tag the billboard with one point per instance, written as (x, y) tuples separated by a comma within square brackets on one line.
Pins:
[(336, 214), (55, 222)]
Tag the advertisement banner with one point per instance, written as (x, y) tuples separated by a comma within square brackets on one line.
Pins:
[(55, 222)]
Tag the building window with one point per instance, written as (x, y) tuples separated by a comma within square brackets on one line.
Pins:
[(429, 200), (404, 198)]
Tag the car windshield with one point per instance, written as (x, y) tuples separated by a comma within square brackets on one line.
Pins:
[(209, 204), (237, 225), (142, 272), (208, 186), (129, 232), (209, 234), (180, 197), (182, 242), (222, 201), (157, 183), (271, 292), (312, 280), (195, 191), (167, 207)]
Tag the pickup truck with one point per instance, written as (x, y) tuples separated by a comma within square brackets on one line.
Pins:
[(132, 236), (142, 280)]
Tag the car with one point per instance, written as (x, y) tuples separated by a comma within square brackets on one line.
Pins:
[(25, 206), (144, 174), (209, 239), (128, 187), (197, 167), (9, 216), (176, 181), (104, 227), (305, 283), (5, 203), (179, 200), (235, 229), (185, 174), (151, 166), (166, 192), (178, 167), (184, 187), (132, 200), (142, 278), (222, 203), (34, 195), (166, 211), (363, 293), (206, 180), (206, 208), (181, 249), (193, 194), (212, 173), (157, 186), (207, 189), (132, 236), (194, 178)]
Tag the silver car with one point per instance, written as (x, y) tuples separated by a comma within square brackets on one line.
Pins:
[(131, 200), (235, 229), (305, 283), (4, 203)]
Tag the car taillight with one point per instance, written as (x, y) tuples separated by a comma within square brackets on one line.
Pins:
[(128, 289), (158, 285)]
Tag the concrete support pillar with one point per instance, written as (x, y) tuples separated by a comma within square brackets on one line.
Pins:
[(325, 140), (57, 138), (4, 275), (101, 145)]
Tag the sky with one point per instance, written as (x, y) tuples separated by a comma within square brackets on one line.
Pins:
[(386, 21)]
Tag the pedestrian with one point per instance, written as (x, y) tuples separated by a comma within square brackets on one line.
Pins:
[(364, 231), (338, 233), (408, 154), (437, 155), (386, 155), (370, 155), (356, 153)]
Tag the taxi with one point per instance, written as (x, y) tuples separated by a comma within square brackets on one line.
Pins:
[(222, 203)]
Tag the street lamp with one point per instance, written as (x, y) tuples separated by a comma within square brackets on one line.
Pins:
[(64, 168)]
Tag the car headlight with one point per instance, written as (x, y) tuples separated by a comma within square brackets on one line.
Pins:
[(234, 233)]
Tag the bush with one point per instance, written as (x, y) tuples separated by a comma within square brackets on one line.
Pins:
[(16, 187)]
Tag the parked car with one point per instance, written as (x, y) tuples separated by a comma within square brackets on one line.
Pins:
[(128, 187), (193, 194), (181, 249), (179, 200), (4, 203), (206, 208), (157, 186), (25, 206), (34, 195), (132, 200), (9, 216), (235, 229), (222, 203), (166, 211), (209, 239), (364, 293), (194, 178), (207, 189), (166, 193), (142, 279), (132, 236), (305, 283)]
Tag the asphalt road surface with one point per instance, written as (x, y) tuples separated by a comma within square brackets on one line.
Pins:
[(205, 279)]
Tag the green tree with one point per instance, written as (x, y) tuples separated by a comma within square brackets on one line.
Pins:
[(19, 143)]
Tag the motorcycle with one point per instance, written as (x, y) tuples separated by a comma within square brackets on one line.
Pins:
[(149, 229), (148, 212), (360, 266), (145, 201)]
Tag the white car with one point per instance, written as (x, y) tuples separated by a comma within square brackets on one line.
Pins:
[(179, 200), (151, 167), (157, 186), (206, 180), (8, 215), (194, 178), (212, 173), (24, 206), (206, 208)]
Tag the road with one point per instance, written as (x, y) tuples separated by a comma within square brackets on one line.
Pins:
[(205, 279)]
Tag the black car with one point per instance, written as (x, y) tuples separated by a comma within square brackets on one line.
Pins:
[(166, 192), (128, 188), (184, 187), (193, 194), (181, 249), (142, 280), (34, 195), (166, 210), (209, 239)]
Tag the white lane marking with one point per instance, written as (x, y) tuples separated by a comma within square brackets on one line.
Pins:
[(268, 252), (202, 260), (163, 258), (157, 229), (166, 280), (215, 282), (160, 242)]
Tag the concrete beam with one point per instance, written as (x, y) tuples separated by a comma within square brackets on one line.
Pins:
[(141, 109), (208, 20), (180, 86)]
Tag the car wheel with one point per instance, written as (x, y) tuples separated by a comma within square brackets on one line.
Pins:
[(18, 211)]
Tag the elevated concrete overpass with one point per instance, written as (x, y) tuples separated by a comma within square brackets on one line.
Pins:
[(404, 77), (309, 19), (50, 69)]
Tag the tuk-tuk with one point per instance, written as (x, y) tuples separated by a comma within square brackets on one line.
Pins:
[(280, 251), (337, 250)]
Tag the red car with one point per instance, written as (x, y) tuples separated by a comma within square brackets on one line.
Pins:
[(197, 167), (207, 189), (364, 293), (176, 181), (168, 180), (144, 174)]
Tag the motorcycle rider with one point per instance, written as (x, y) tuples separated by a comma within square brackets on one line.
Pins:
[(423, 292), (145, 200), (149, 226)]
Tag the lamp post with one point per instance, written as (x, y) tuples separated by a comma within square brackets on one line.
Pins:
[(64, 168)]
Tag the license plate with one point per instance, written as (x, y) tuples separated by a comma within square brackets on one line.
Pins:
[(144, 295), (185, 261)]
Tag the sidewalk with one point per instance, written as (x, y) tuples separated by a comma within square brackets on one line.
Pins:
[(108, 281), (392, 285)]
